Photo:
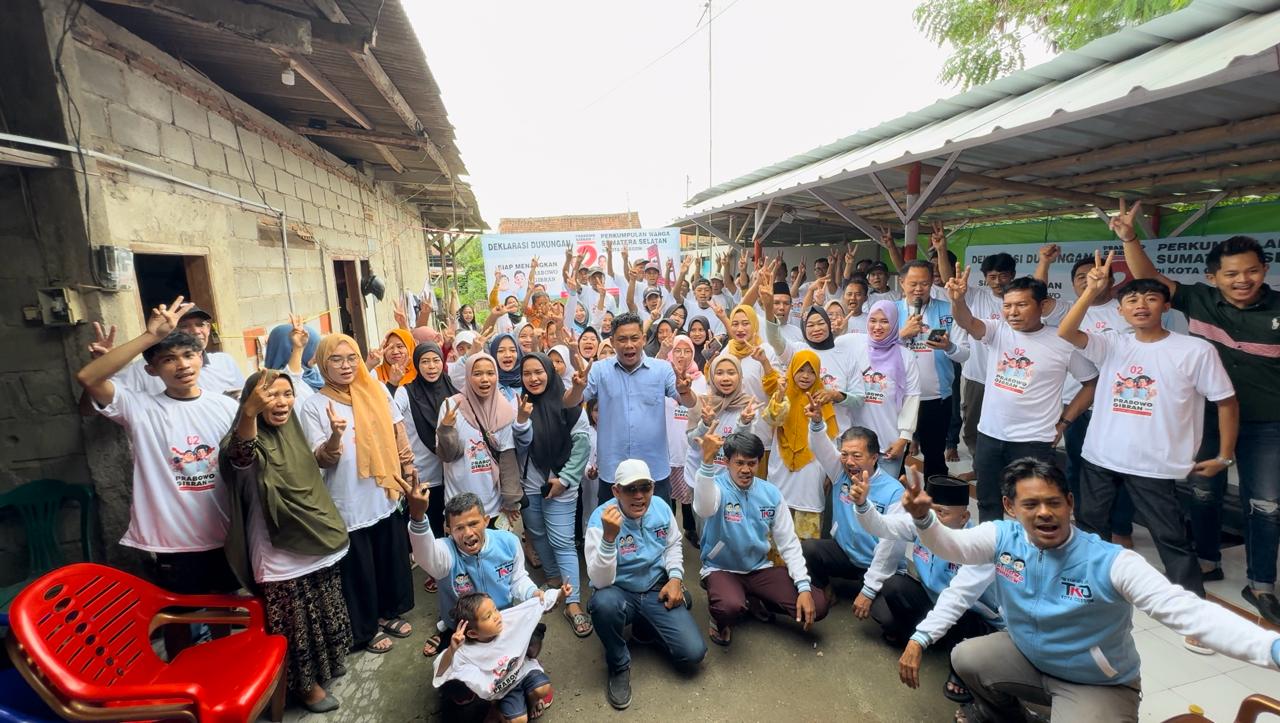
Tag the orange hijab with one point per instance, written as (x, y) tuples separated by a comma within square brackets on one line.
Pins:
[(793, 433), (377, 452), (384, 369)]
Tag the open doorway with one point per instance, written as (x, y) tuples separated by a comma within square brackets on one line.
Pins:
[(162, 277), (350, 301)]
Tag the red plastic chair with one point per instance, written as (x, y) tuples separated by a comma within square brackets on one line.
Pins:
[(81, 637)]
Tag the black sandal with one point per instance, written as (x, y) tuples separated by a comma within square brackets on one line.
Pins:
[(954, 684), (397, 627), (434, 642)]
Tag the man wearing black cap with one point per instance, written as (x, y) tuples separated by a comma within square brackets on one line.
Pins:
[(219, 374), (699, 304), (782, 312), (942, 603), (878, 277)]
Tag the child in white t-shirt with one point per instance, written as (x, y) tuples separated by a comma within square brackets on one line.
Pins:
[(489, 654)]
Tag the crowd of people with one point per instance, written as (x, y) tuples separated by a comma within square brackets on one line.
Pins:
[(768, 424)]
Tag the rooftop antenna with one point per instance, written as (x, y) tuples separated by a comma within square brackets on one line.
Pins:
[(706, 13)]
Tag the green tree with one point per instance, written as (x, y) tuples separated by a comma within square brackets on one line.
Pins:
[(472, 284), (988, 36)]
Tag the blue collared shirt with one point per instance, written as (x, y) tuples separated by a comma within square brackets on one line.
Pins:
[(632, 407)]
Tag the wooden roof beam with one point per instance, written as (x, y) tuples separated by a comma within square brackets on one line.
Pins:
[(27, 159), (389, 157), (358, 134), (978, 179), (257, 24)]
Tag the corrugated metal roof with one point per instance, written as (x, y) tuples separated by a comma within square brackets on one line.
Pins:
[(252, 73), (1209, 44)]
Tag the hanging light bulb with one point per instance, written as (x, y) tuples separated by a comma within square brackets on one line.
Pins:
[(286, 74)]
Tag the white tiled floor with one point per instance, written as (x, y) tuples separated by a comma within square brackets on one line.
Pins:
[(1174, 678)]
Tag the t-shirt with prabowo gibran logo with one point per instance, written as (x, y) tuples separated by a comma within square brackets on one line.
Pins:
[(179, 498), (1098, 318), (1025, 375), (492, 669), (1148, 409)]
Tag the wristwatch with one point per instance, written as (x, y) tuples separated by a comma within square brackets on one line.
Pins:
[(1226, 462)]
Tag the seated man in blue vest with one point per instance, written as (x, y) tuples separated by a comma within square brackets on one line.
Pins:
[(944, 603), (636, 566), (1068, 599), (852, 553), (745, 517), (471, 559)]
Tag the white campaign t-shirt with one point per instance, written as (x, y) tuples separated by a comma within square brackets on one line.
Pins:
[(360, 500), (272, 564), (1105, 317), (855, 324), (220, 374), (477, 469), (987, 307), (1023, 399), (803, 489), (878, 411), (424, 460), (692, 309), (1148, 409), (492, 669), (179, 496), (677, 428), (875, 296), (726, 424)]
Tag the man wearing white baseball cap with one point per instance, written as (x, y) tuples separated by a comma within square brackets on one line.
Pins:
[(635, 567)]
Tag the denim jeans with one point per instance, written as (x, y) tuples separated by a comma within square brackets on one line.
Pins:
[(613, 608), (549, 524), (1258, 459), (992, 457), (1122, 508)]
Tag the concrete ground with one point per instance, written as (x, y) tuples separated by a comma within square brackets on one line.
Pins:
[(839, 671)]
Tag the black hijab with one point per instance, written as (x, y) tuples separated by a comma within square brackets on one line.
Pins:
[(827, 343), (425, 398), (652, 345), (699, 355), (552, 422)]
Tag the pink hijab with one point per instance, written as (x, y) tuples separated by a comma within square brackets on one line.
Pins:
[(491, 414), (691, 370)]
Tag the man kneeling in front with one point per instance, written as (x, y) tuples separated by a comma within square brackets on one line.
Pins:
[(1068, 599), (635, 565)]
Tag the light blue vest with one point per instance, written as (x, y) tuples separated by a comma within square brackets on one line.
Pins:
[(936, 575), (856, 542), (1062, 610), (937, 315), (737, 536), (641, 544), (490, 572)]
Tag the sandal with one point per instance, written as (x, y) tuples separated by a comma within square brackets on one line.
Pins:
[(398, 627), (720, 636), (581, 623), (431, 648), (955, 690), (969, 713), (430, 585), (371, 646), (540, 706)]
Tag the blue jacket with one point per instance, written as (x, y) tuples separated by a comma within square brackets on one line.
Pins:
[(738, 535), (641, 546), (856, 542)]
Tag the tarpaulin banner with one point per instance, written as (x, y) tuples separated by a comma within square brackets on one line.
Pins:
[(511, 253)]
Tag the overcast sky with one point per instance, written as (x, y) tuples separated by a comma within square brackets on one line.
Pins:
[(555, 115)]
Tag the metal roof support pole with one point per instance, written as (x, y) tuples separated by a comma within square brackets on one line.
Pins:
[(911, 229), (713, 231), (888, 197), (845, 213), (1140, 220), (1204, 208)]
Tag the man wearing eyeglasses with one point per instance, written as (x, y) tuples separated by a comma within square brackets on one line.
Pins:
[(635, 566)]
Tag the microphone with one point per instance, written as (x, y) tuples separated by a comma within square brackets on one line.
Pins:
[(917, 309)]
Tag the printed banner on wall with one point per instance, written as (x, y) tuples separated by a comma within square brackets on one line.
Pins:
[(1181, 259), (510, 254)]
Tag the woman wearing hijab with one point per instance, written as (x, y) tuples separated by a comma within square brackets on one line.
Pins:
[(839, 381), (677, 314), (507, 353), (659, 337), (467, 318), (554, 443), (726, 408), (395, 359), (295, 353), (681, 358), (743, 344), (705, 345), (792, 467), (606, 350), (419, 402), (606, 325), (526, 337), (357, 436), (562, 361), (890, 383), (286, 537), (476, 443)]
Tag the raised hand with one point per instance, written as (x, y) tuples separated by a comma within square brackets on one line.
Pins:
[(886, 238), (459, 637), (1123, 223), (611, 522), (914, 499), (748, 414), (337, 425), (261, 397), (419, 497), (913, 327), (450, 414), (102, 341), (710, 444), (524, 409), (938, 239), (298, 334), (683, 383), (708, 414), (861, 484), (958, 285), (1100, 275), (374, 357), (1050, 252), (813, 410), (584, 371), (398, 313), (164, 318)]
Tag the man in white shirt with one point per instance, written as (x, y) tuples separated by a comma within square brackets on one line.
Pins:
[(1027, 368), (178, 508), (219, 373), (1148, 417)]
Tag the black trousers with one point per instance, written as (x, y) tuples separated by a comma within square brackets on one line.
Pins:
[(376, 580), (992, 457), (931, 432), (1157, 501), (903, 603), (825, 559)]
